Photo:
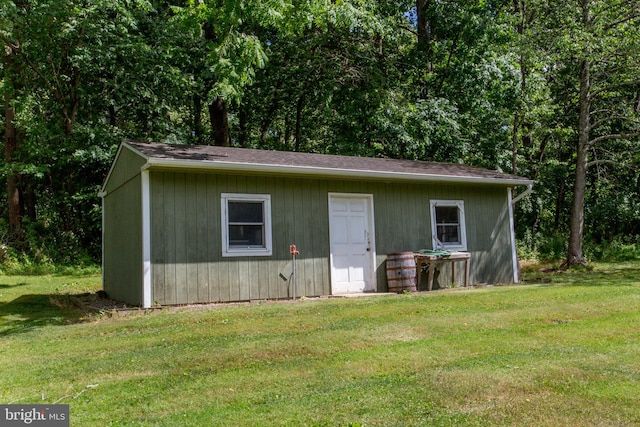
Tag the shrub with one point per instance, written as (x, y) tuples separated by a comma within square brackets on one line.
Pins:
[(535, 246), (45, 250), (619, 249)]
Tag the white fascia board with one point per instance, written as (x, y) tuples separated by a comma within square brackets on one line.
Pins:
[(512, 232), (103, 191), (102, 240), (146, 240), (329, 172)]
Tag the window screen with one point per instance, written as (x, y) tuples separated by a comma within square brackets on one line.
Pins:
[(246, 224), (448, 225)]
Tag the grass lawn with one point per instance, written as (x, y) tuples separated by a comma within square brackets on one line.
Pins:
[(563, 352)]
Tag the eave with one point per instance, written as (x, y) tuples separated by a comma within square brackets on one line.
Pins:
[(269, 169)]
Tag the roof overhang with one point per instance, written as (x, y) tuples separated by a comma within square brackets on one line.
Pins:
[(259, 168), (219, 165)]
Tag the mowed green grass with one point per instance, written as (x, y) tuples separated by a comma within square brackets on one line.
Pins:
[(559, 353)]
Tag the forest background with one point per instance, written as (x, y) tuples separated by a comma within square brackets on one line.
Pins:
[(544, 89)]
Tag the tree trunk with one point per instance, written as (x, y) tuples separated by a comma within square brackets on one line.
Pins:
[(424, 30), (559, 205), (576, 226), (287, 131), (30, 199), (11, 145), (298, 131), (219, 122), (198, 129), (514, 143), (243, 126), (12, 142), (517, 116), (264, 130), (271, 112), (575, 256)]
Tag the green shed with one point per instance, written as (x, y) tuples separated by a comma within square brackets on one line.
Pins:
[(195, 224)]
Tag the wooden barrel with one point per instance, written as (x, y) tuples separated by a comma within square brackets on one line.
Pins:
[(401, 272)]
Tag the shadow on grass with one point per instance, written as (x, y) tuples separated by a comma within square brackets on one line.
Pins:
[(5, 286), (32, 311)]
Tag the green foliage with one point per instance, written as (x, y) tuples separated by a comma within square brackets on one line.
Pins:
[(44, 251), (589, 51), (537, 246), (619, 249), (490, 84)]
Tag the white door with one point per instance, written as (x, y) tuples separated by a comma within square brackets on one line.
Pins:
[(351, 243)]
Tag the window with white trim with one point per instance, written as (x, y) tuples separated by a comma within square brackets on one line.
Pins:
[(448, 225), (246, 224)]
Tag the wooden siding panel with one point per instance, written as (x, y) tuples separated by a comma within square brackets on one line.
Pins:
[(400, 216), (309, 227), (170, 240), (288, 232), (282, 232), (405, 211), (243, 284), (158, 240), (214, 247), (191, 238), (481, 230), (423, 215), (320, 205), (180, 237), (186, 233), (203, 236), (381, 208), (224, 184), (260, 274), (126, 168), (123, 243), (215, 240), (501, 233), (294, 212)]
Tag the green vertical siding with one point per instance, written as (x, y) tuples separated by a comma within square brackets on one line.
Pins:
[(122, 229), (122, 242), (126, 167), (187, 265), (159, 282)]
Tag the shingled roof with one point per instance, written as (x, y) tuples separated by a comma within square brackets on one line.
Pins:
[(160, 155)]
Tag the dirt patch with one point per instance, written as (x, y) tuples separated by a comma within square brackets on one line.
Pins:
[(96, 302)]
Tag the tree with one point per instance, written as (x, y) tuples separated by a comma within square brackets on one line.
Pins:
[(13, 138), (465, 58), (77, 77), (226, 32), (547, 90), (594, 53)]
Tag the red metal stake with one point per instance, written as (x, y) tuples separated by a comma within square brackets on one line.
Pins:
[(293, 251)]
